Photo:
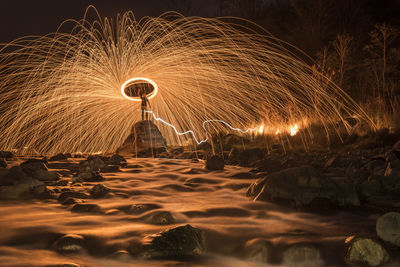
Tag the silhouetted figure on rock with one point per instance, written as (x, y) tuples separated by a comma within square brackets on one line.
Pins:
[(145, 102)]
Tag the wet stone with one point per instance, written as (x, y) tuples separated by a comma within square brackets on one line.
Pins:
[(91, 176), (388, 228), (92, 164), (182, 241), (70, 201), (70, 244), (110, 168), (365, 251), (117, 160), (86, 208), (58, 157), (71, 194), (32, 165), (162, 218), (99, 190)]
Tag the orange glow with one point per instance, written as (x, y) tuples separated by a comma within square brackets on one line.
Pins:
[(261, 129)]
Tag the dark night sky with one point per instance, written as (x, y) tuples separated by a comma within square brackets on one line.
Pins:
[(38, 17)]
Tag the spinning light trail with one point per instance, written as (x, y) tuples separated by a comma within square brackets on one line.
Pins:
[(63, 92), (204, 127)]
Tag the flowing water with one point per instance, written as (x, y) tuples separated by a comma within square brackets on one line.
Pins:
[(214, 201)]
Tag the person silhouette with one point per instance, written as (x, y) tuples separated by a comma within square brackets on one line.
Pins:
[(145, 102)]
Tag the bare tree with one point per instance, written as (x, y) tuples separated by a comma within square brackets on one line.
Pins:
[(342, 46)]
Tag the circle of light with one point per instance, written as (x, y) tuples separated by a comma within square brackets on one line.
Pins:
[(137, 99)]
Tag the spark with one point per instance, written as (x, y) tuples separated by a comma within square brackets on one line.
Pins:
[(63, 92)]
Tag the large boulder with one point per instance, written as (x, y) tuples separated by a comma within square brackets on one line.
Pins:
[(215, 163), (365, 251), (145, 138), (388, 227), (32, 165), (46, 176), (182, 241), (304, 187), (24, 189), (37, 169)]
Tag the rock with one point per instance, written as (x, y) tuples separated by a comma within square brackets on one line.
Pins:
[(388, 228), (117, 160), (70, 244), (145, 138), (204, 146), (269, 165), (249, 157), (301, 254), (257, 250), (214, 163), (365, 251), (32, 165), (141, 208), (182, 241), (305, 187), (92, 164), (24, 189), (234, 140), (90, 176), (71, 194), (162, 218), (6, 154), (3, 163), (45, 176), (99, 190), (121, 255), (83, 208), (110, 168), (70, 201), (58, 157)]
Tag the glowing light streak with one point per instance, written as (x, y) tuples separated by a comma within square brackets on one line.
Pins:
[(132, 81), (204, 127)]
